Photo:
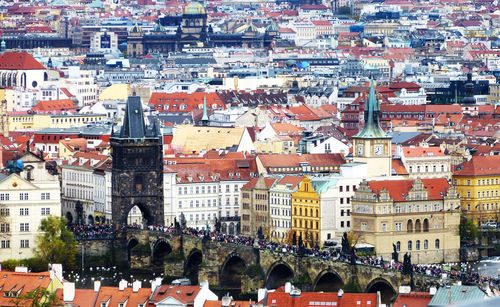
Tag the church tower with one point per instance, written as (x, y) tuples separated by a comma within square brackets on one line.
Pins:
[(372, 145), (137, 176)]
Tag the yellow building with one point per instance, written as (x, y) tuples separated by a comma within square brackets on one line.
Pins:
[(477, 183), (42, 121), (306, 213), (494, 96), (419, 217)]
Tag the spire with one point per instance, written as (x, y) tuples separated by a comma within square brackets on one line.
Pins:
[(204, 118), (372, 129), (134, 126)]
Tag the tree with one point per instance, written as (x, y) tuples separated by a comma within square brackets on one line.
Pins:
[(289, 237), (353, 239), (39, 297), (468, 230), (56, 244), (344, 10)]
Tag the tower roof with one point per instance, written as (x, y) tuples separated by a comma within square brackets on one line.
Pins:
[(134, 126), (372, 129)]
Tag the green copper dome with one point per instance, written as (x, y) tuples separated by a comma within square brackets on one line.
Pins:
[(372, 129), (272, 28), (194, 8)]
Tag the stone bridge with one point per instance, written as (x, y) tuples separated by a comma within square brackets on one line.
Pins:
[(234, 266)]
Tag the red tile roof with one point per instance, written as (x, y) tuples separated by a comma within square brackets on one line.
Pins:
[(282, 299), (22, 282), (294, 160), (398, 167), (83, 297), (399, 188), (184, 294), (479, 166), (413, 299), (115, 296), (184, 102), (19, 61), (422, 151), (55, 106)]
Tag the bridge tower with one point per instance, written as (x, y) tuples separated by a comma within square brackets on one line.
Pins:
[(137, 177)]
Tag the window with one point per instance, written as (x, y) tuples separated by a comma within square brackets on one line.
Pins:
[(24, 227), (398, 246), (417, 245), (4, 196), (384, 227), (24, 211), (25, 243), (4, 212), (5, 244), (410, 245), (426, 244), (436, 244), (4, 227), (398, 227), (23, 196), (45, 211), (341, 223), (363, 226)]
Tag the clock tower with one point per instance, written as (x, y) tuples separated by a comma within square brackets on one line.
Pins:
[(372, 145)]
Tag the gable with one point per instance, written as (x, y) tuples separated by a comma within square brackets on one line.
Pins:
[(15, 182), (170, 301)]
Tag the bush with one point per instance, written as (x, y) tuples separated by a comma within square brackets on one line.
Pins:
[(303, 279), (10, 264), (352, 287), (254, 270), (142, 249), (175, 256), (35, 264)]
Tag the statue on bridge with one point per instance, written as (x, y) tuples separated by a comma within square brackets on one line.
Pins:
[(395, 255), (348, 250), (407, 267), (301, 251)]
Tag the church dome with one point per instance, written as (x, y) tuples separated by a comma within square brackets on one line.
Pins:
[(136, 29), (194, 8), (272, 28), (159, 28)]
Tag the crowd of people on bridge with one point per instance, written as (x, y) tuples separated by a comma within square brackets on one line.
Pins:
[(93, 232), (108, 231)]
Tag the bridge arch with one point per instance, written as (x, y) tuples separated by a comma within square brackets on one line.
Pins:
[(328, 281), (192, 265), (278, 274), (130, 244), (160, 250), (387, 292), (231, 271)]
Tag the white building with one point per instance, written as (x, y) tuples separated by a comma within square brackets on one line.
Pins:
[(280, 206), (79, 187), (25, 199)]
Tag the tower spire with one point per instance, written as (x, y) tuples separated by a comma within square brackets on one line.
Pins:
[(372, 118), (204, 118)]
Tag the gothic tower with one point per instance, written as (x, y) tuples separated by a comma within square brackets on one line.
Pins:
[(372, 145), (137, 177)]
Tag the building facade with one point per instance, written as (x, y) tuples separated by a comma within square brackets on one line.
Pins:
[(419, 217), (306, 216), (477, 184)]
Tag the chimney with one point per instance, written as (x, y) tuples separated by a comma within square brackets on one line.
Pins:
[(204, 284), (21, 269), (122, 285), (432, 291), (226, 300), (97, 285), (261, 294), (58, 270), (288, 287), (340, 293), (68, 291), (136, 285)]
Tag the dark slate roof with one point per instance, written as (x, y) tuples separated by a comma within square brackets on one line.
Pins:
[(134, 126)]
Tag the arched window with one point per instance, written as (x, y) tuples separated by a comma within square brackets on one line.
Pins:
[(409, 245), (138, 183), (418, 226), (426, 244), (437, 244), (398, 246), (417, 245), (426, 225), (409, 226)]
